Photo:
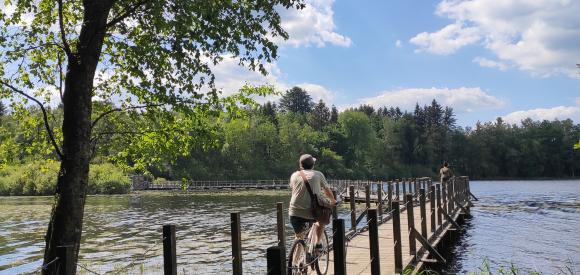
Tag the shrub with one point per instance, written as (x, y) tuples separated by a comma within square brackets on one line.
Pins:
[(39, 178)]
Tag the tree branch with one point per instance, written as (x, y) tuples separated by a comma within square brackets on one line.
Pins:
[(60, 77), (44, 116), (65, 44), (125, 14), (124, 109)]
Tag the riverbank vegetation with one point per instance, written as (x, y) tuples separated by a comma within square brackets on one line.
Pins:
[(39, 178), (264, 142)]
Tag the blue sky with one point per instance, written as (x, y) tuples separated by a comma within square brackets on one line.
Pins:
[(484, 58)]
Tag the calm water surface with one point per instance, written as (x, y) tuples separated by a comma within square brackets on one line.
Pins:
[(534, 224)]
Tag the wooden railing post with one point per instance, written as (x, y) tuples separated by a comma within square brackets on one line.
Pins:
[(404, 191), (411, 224), (423, 213), (236, 243), (275, 260), (439, 207), (63, 264), (368, 197), (169, 250), (444, 194), (380, 199), (334, 210), (397, 236), (281, 226), (397, 197), (352, 208), (338, 247), (432, 206), (374, 241), (390, 194), (452, 195)]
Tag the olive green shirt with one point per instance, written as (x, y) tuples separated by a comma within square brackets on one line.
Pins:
[(300, 201)]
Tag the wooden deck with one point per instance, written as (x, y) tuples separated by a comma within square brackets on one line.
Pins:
[(358, 251)]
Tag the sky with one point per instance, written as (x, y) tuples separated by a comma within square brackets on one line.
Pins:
[(484, 58)]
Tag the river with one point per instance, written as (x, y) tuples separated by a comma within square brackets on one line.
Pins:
[(532, 224)]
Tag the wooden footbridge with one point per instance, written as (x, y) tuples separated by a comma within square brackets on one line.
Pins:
[(396, 227), (409, 225)]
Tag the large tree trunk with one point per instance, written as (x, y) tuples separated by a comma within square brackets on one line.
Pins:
[(66, 222)]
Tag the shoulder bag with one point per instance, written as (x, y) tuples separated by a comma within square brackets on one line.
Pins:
[(321, 210)]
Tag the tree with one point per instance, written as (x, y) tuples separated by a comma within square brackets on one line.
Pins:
[(2, 109), (320, 116), (296, 100), (333, 115), (153, 54)]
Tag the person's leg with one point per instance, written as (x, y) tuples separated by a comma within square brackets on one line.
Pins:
[(317, 228)]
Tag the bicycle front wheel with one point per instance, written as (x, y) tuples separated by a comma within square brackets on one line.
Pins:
[(297, 264), (323, 256)]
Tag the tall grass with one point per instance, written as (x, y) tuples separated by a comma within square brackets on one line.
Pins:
[(39, 178)]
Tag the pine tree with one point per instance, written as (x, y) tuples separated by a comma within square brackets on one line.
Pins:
[(296, 100)]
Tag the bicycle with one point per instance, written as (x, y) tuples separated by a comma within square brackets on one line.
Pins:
[(303, 254)]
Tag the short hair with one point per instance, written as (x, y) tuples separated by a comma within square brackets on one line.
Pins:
[(445, 164), (307, 161)]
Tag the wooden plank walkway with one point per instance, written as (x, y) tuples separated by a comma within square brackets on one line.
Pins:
[(358, 250)]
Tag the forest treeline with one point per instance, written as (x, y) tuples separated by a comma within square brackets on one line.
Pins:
[(265, 142)]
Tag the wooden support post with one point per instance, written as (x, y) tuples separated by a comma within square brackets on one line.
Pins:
[(397, 197), (352, 208), (390, 194), (451, 190), (236, 243), (275, 260), (411, 224), (380, 199), (397, 236), (415, 189), (281, 224), (64, 254), (374, 241), (439, 206), (404, 192), (432, 206), (334, 210), (423, 212), (169, 251), (428, 246), (368, 197), (338, 247), (444, 196)]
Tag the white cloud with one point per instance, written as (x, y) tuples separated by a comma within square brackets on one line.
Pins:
[(484, 62), (460, 99), (399, 44), (313, 25), (577, 100), (446, 40), (541, 37), (318, 92), (230, 77), (559, 112)]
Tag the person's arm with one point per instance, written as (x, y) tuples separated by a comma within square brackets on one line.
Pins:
[(327, 190)]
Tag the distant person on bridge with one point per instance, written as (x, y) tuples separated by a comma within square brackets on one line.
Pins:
[(300, 210), (445, 173)]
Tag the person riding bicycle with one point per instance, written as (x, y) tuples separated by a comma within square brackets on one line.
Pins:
[(300, 210)]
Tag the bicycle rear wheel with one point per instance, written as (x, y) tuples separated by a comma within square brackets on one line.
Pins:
[(323, 256), (297, 264)]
